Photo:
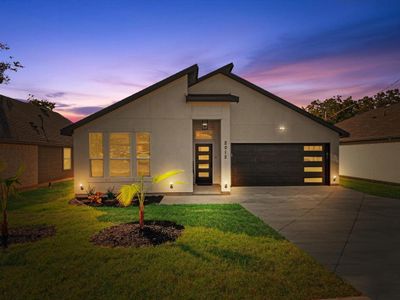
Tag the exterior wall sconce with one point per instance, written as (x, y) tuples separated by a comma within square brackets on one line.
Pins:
[(171, 185), (204, 125), (334, 178), (282, 128), (226, 185), (81, 186)]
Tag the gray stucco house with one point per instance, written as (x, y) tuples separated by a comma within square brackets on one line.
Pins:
[(219, 128)]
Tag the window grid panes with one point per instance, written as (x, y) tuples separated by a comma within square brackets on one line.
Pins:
[(143, 153), (120, 154), (96, 154), (313, 148)]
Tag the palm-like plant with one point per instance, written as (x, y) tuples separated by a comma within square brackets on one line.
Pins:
[(129, 191), (7, 189)]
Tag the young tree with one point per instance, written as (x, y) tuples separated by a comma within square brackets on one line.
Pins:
[(9, 65), (42, 103), (7, 189), (129, 191)]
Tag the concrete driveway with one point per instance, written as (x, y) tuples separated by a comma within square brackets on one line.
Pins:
[(351, 233)]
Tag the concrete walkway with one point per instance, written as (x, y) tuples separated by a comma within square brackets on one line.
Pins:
[(351, 233)]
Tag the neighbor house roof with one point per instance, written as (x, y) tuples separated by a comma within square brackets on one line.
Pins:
[(25, 123), (381, 124), (211, 98), (193, 79)]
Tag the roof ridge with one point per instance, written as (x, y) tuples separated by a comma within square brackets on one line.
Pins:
[(191, 71)]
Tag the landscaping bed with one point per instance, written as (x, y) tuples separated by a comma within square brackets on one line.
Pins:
[(104, 201), (26, 234), (130, 235)]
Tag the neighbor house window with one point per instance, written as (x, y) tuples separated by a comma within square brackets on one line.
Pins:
[(67, 158), (143, 153), (120, 155), (96, 154)]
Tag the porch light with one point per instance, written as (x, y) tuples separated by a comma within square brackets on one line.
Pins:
[(81, 186), (204, 125), (334, 178), (171, 185)]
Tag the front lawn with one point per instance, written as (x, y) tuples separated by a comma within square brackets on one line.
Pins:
[(372, 188), (224, 252)]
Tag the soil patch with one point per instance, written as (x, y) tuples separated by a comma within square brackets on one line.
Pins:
[(27, 234), (114, 202), (129, 234)]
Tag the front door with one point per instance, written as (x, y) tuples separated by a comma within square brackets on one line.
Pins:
[(203, 164)]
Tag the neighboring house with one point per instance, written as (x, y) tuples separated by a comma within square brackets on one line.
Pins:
[(373, 149), (30, 136), (219, 128)]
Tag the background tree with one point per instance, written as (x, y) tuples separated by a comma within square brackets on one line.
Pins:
[(337, 109), (42, 103), (7, 65)]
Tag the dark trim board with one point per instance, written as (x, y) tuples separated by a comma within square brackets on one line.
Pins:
[(191, 72), (277, 164), (212, 98)]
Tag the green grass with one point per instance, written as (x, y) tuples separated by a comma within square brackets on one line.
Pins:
[(372, 188), (224, 252)]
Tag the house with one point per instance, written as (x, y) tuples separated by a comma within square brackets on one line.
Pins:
[(373, 149), (220, 129), (30, 136)]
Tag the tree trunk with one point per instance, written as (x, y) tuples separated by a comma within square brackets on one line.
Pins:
[(141, 215), (4, 229)]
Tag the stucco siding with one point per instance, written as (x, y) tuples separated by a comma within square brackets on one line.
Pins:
[(376, 161), (166, 115), (14, 155), (257, 118)]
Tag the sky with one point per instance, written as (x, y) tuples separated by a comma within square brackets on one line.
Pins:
[(85, 55)]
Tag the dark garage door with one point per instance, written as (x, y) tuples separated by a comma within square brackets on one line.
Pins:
[(279, 164)]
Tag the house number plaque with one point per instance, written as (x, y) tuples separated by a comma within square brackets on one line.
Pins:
[(225, 149)]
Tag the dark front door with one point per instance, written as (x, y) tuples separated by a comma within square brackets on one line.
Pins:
[(279, 164), (203, 164)]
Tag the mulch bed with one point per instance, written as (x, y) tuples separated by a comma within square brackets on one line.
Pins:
[(114, 202), (129, 234), (27, 234)]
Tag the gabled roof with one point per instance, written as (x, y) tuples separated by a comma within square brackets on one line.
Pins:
[(227, 71), (212, 98), (25, 123), (191, 72), (375, 125), (193, 79)]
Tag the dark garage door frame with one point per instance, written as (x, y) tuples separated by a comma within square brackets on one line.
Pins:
[(273, 164)]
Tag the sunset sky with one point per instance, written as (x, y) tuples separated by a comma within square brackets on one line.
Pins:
[(85, 55)]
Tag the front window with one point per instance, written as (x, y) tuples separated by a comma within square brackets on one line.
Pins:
[(120, 154), (96, 156), (67, 159), (143, 153)]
